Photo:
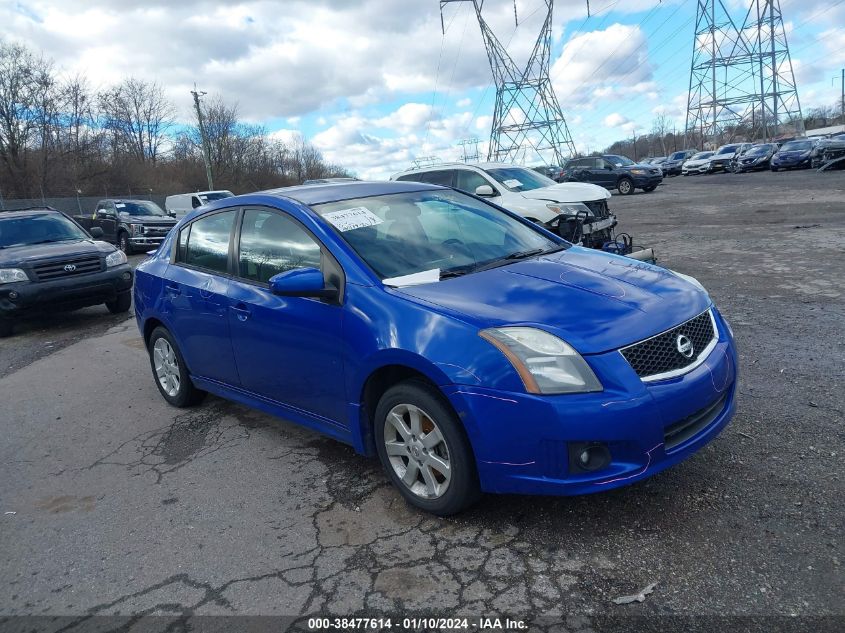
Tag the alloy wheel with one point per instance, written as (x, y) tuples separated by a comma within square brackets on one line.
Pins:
[(166, 367), (417, 451)]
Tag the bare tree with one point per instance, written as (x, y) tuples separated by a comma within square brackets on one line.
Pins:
[(139, 116), (25, 89)]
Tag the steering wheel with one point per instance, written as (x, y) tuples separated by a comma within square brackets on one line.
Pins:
[(454, 240)]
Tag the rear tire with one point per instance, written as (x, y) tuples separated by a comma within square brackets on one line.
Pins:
[(430, 459), (170, 372), (121, 304), (6, 327), (625, 186)]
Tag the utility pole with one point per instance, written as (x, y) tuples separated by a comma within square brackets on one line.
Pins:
[(205, 152), (842, 97), (470, 156)]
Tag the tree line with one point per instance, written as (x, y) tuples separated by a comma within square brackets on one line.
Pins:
[(61, 136)]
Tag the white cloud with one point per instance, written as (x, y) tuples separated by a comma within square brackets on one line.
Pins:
[(464, 103)]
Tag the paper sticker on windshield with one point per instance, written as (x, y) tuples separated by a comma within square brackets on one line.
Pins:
[(513, 183), (354, 218), (120, 205)]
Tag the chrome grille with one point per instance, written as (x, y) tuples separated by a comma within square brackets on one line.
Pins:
[(659, 354), (157, 231), (45, 271)]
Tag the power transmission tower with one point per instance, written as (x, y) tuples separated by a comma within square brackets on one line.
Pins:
[(470, 155), (205, 150), (777, 98), (527, 113), (720, 75), (741, 79)]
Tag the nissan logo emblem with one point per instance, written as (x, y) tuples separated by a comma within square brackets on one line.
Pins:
[(70, 268), (684, 346)]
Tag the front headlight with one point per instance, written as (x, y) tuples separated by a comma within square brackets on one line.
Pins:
[(639, 172), (569, 208), (115, 259), (11, 275), (545, 363)]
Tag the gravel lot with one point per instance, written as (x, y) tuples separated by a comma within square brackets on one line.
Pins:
[(114, 503)]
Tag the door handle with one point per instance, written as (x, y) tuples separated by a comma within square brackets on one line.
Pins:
[(241, 311), (173, 290)]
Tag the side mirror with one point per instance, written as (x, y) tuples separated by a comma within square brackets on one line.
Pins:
[(302, 282), (96, 232), (484, 191)]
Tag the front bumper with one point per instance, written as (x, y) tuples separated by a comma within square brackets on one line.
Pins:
[(719, 165), (142, 240), (69, 293), (521, 441), (643, 181), (792, 163)]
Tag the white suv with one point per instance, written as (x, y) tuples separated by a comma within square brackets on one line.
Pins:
[(574, 210)]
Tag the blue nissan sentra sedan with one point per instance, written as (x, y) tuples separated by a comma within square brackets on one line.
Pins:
[(467, 347)]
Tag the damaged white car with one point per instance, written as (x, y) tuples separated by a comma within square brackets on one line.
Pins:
[(576, 211)]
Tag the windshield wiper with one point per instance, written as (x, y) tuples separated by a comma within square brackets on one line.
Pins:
[(500, 261)]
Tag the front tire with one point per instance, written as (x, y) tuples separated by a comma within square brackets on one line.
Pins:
[(625, 186), (169, 371), (649, 189), (124, 244), (121, 303), (424, 449)]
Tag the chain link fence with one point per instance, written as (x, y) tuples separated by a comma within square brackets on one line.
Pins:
[(71, 205)]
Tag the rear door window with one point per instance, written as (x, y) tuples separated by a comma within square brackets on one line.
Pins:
[(468, 180)]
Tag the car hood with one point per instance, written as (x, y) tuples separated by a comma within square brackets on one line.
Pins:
[(148, 219), (696, 163), (595, 301), (568, 192), (20, 255), (792, 154)]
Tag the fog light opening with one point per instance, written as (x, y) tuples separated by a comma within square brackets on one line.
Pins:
[(585, 457)]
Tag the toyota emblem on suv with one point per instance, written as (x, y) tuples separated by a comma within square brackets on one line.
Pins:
[(70, 267), (684, 346)]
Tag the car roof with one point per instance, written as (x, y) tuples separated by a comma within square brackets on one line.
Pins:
[(337, 191), (455, 165), (29, 211)]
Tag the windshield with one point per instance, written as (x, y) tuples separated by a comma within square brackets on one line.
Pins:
[(728, 149), (217, 195), (38, 229), (678, 156), (702, 156), (759, 149), (519, 178), (138, 207), (619, 161), (437, 231), (794, 146)]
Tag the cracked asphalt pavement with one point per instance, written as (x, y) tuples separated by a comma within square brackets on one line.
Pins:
[(114, 503)]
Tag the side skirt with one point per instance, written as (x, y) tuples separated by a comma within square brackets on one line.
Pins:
[(286, 412)]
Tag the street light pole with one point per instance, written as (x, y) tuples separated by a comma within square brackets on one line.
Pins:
[(205, 151)]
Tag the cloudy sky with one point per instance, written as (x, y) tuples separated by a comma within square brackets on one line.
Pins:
[(375, 83)]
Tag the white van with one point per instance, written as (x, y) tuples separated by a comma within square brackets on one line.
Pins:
[(184, 203)]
